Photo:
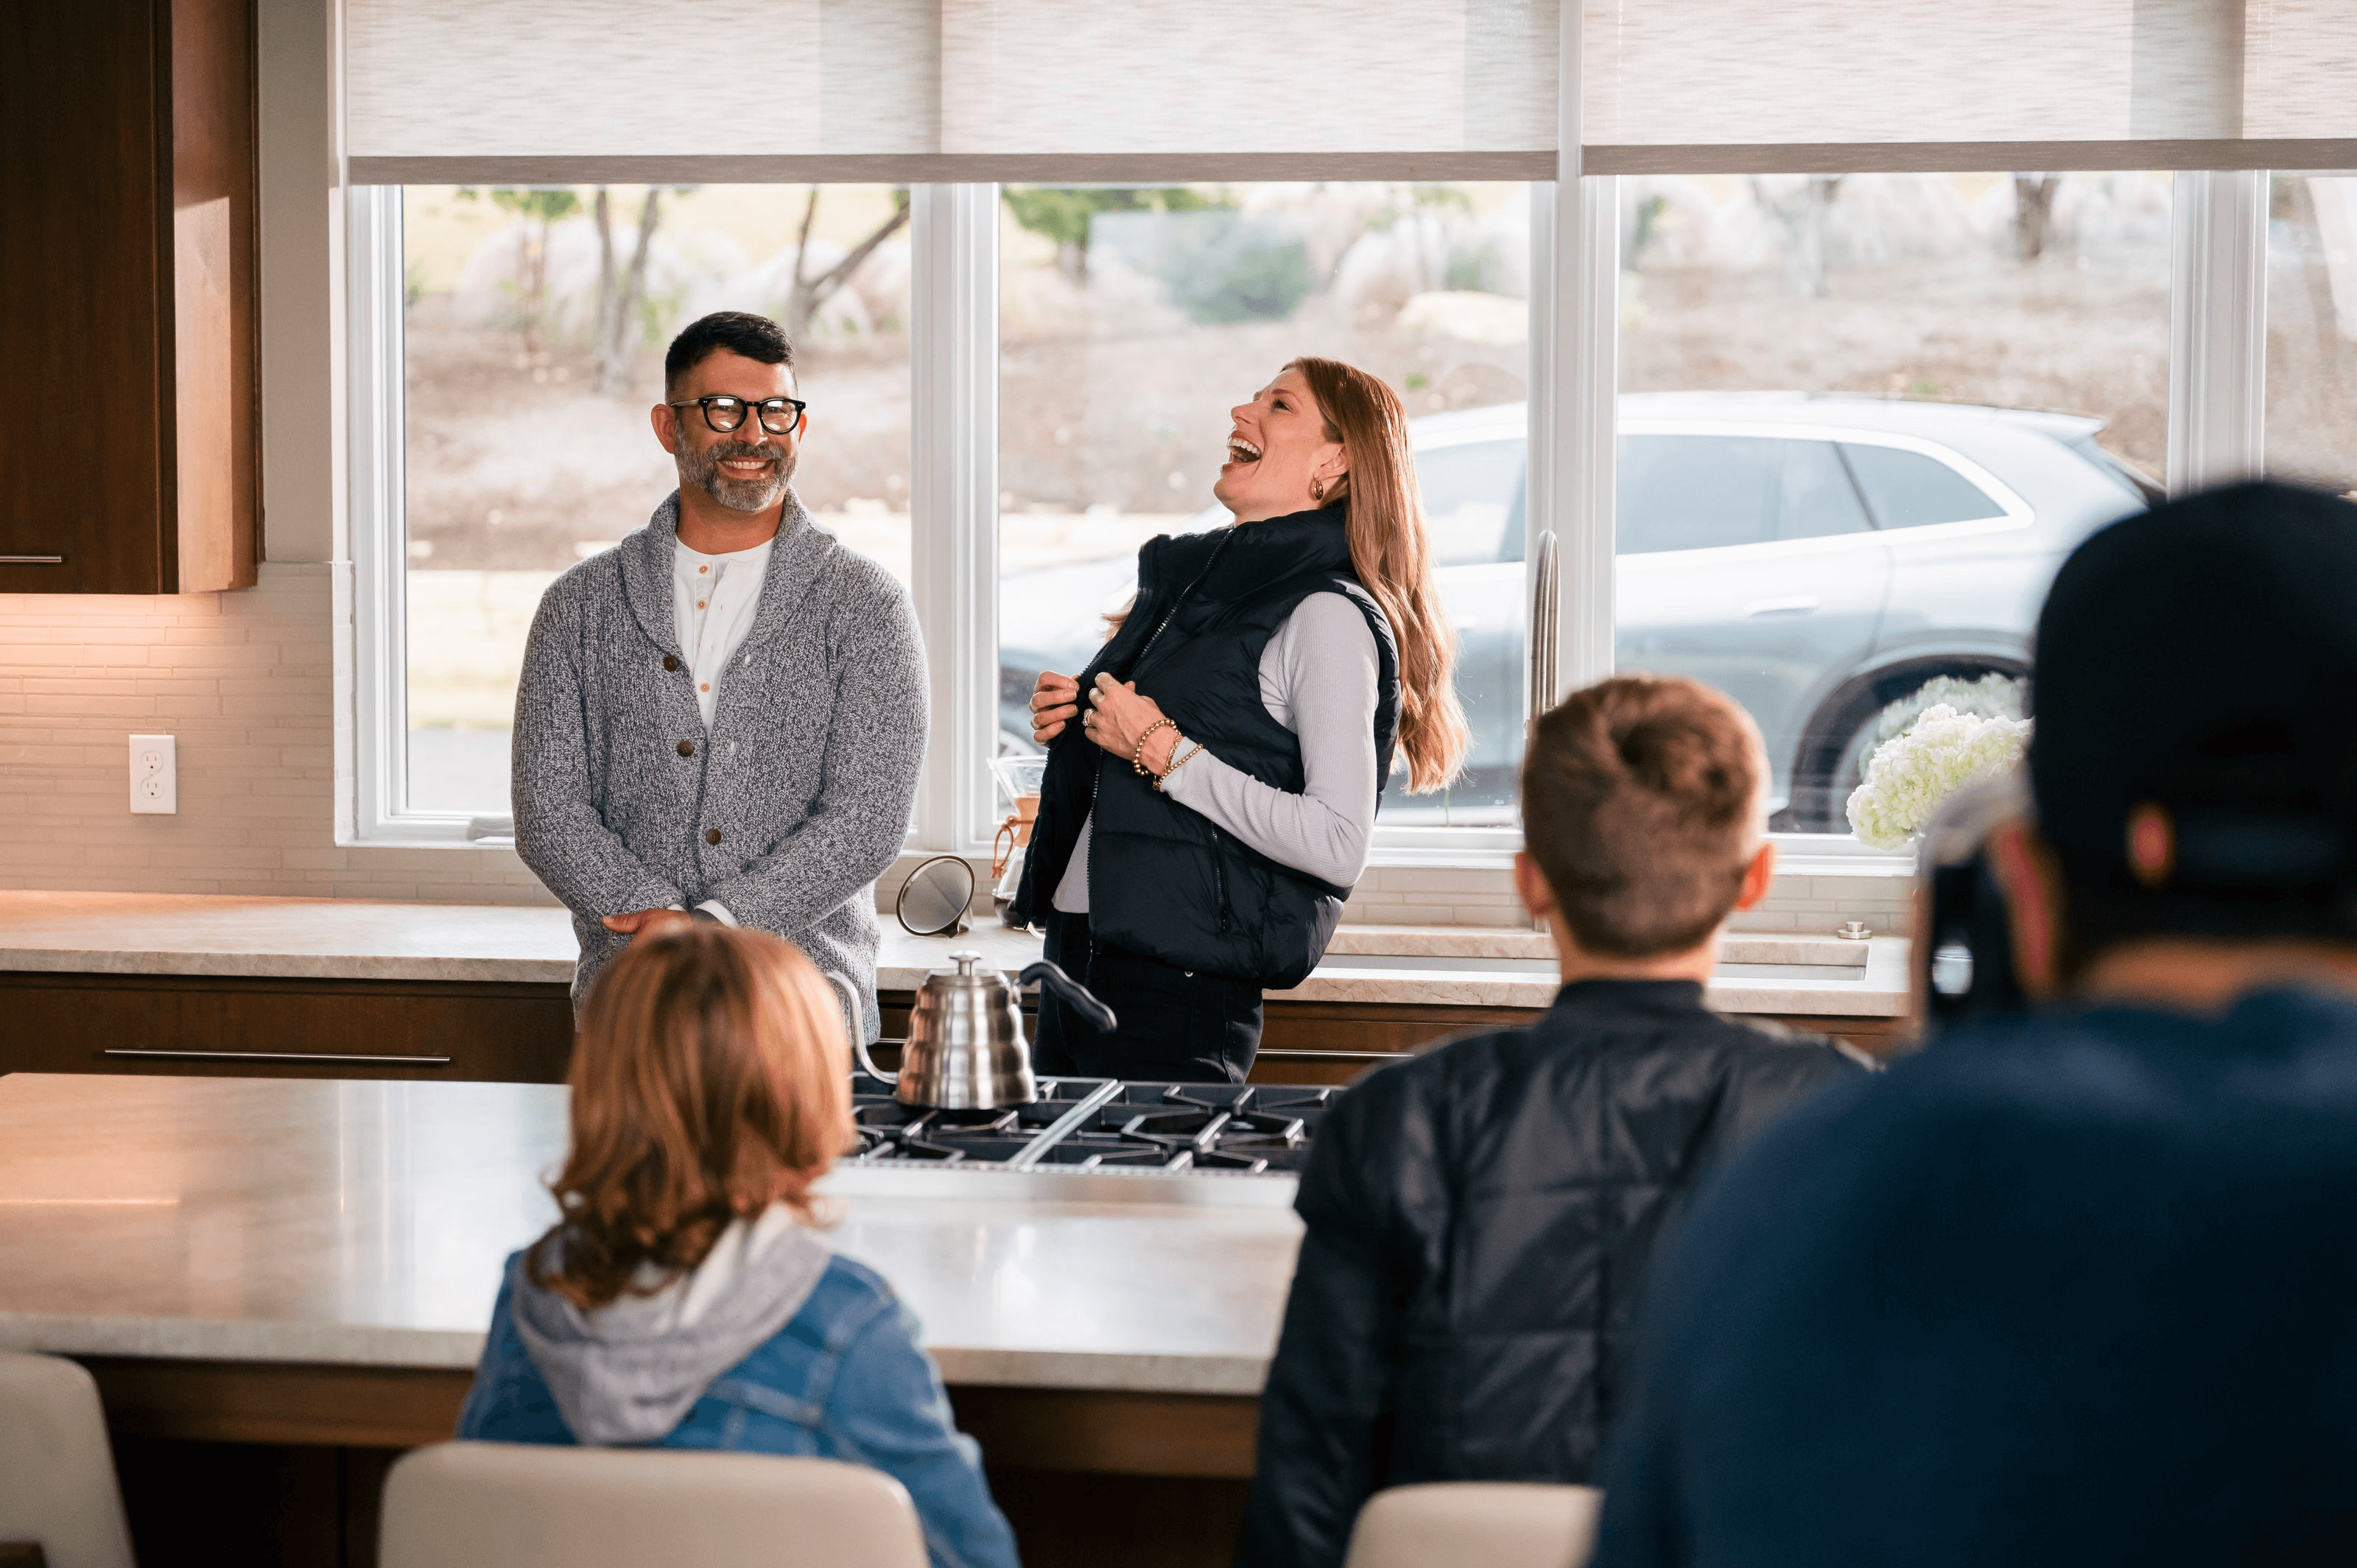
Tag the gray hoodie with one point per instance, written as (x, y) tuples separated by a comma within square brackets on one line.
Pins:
[(629, 1371)]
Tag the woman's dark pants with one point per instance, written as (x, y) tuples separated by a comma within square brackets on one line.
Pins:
[(1176, 1027)]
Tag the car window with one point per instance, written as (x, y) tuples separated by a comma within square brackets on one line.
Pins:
[(1908, 489), (1695, 492), (1817, 498), (1473, 502), (1698, 492)]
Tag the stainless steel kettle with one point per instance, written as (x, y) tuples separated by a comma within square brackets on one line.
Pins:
[(965, 1050)]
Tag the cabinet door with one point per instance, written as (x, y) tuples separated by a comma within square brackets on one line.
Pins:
[(82, 400), (127, 343)]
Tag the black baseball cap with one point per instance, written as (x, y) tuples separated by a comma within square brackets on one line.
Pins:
[(2195, 693)]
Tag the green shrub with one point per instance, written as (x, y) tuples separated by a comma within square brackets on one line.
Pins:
[(1221, 267)]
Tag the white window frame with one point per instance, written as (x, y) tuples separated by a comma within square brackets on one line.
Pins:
[(2217, 373)]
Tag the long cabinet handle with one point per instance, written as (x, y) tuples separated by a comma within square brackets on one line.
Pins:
[(274, 1056), (32, 560)]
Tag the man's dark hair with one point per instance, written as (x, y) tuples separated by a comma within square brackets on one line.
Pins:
[(741, 332)]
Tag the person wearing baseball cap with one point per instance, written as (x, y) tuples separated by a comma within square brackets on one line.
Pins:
[(2078, 1284)]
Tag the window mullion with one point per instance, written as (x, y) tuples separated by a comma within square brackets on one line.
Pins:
[(379, 537), (953, 533), (1574, 344), (1588, 382), (2218, 343)]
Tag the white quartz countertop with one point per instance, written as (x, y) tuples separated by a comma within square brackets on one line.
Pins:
[(198, 934), (365, 1223)]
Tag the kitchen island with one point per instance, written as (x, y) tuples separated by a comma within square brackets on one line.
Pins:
[(304, 1269)]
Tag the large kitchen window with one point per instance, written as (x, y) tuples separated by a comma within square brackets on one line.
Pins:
[(2311, 284), (533, 326), (1662, 282), (1858, 423), (1863, 418), (1132, 319)]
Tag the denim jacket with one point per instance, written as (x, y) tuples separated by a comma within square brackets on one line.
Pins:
[(845, 1379)]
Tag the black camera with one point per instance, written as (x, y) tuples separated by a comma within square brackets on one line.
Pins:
[(1963, 938)]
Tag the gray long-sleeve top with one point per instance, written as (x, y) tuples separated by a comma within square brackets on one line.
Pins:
[(785, 809), (1317, 678)]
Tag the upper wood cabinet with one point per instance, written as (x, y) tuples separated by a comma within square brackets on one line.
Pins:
[(128, 380)]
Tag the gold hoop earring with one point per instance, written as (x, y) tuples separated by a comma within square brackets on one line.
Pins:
[(1318, 490)]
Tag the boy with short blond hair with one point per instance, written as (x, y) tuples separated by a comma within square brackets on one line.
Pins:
[(1479, 1218)]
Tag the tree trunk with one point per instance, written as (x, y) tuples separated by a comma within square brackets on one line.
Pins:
[(535, 282), (598, 210), (2033, 213), (619, 299), (808, 293), (1803, 218)]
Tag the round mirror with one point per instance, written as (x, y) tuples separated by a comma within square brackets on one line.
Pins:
[(934, 900)]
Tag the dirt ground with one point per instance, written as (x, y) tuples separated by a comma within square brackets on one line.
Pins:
[(2049, 335)]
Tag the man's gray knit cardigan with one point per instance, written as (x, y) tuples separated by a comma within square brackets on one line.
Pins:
[(786, 813)]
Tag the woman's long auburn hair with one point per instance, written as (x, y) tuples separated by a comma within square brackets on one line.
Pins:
[(711, 1079), (1390, 550)]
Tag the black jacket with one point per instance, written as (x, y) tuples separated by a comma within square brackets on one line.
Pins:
[(2065, 1289), (1479, 1221), (1163, 880)]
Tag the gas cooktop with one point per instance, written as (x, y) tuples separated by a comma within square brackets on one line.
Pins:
[(1101, 1124)]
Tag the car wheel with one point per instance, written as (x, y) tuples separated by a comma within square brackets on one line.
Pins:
[(1832, 760)]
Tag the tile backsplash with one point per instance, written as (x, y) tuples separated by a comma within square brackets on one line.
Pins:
[(246, 681)]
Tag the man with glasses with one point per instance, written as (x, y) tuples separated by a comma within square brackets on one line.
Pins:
[(722, 717)]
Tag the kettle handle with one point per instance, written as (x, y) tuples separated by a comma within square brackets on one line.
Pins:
[(857, 1017), (1076, 996)]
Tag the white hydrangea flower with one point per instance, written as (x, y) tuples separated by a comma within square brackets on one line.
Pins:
[(1910, 774)]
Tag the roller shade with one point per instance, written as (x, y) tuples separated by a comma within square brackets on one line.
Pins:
[(524, 91), (1780, 86), (1116, 91)]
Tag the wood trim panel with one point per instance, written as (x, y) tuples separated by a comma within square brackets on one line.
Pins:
[(211, 532), (1110, 1432), (261, 1401), (1101, 1430)]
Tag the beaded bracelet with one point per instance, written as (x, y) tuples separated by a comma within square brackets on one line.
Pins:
[(1176, 764), (1137, 757)]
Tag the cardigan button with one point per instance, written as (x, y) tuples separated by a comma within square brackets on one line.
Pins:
[(712, 835), (687, 748), (670, 662)]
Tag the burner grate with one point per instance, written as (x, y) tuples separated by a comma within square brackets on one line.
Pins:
[(1083, 1124)]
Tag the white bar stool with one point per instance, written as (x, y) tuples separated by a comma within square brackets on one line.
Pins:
[(503, 1505), (1496, 1524), (57, 1489)]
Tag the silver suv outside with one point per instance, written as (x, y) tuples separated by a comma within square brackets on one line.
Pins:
[(1816, 558)]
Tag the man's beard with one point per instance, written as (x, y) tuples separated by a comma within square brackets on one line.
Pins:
[(702, 470)]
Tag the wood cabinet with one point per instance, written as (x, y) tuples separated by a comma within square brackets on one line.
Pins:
[(511, 1032), (488, 1032), (128, 346)]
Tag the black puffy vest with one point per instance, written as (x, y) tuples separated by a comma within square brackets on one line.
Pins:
[(1163, 881)]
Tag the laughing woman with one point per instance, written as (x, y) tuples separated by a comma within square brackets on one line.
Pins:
[(1202, 822)]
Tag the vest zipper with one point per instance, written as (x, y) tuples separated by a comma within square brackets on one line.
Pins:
[(1151, 638)]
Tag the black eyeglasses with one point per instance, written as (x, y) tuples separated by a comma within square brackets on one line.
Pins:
[(724, 414)]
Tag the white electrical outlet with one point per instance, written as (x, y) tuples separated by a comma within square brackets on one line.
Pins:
[(154, 775)]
